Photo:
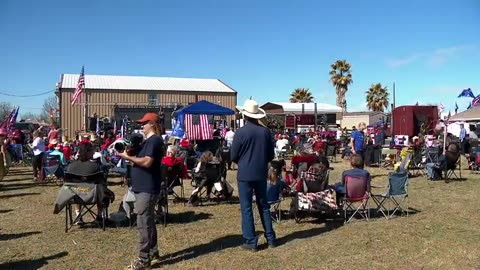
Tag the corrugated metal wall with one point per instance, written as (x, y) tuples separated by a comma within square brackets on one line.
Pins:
[(102, 103)]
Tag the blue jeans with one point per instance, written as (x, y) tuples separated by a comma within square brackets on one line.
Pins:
[(245, 192)]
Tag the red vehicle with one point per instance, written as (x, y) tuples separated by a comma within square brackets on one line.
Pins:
[(408, 120)]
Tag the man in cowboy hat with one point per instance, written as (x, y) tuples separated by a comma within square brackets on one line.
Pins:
[(252, 149)]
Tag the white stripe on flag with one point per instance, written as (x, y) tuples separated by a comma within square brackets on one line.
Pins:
[(201, 131)]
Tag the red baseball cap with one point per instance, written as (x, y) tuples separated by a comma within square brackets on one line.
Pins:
[(149, 117)]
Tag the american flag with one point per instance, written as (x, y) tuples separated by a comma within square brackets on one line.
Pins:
[(199, 127), (441, 107), (476, 101), (80, 87), (97, 127), (13, 119), (115, 127)]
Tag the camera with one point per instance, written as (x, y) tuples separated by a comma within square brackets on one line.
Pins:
[(135, 145)]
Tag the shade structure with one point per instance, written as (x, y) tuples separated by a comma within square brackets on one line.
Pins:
[(205, 107), (469, 115)]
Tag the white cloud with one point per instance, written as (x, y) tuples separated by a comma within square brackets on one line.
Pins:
[(435, 58), (399, 62)]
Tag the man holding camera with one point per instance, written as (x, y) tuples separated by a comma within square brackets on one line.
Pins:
[(146, 181)]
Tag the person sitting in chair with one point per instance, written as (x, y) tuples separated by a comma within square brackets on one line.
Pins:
[(280, 145), (86, 167), (275, 185), (356, 162), (171, 159), (201, 174), (434, 170)]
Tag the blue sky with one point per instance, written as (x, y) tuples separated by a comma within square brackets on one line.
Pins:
[(264, 49)]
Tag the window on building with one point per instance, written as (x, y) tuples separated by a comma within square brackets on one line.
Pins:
[(152, 99)]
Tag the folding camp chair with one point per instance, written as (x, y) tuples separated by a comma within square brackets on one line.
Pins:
[(331, 152), (432, 154), (297, 163), (275, 211), (52, 169), (416, 166), (88, 192), (174, 178), (356, 192), (213, 173), (451, 169), (397, 193)]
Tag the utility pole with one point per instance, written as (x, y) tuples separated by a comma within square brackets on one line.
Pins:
[(391, 114)]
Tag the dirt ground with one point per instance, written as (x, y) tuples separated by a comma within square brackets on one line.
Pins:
[(441, 232)]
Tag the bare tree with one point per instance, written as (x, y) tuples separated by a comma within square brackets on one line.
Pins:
[(48, 103), (5, 109)]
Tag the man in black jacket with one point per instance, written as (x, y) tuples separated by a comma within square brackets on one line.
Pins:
[(252, 149)]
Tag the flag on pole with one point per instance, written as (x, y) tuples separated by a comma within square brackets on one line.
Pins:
[(441, 107), (476, 101), (13, 119), (469, 106), (80, 87), (456, 107), (178, 129), (467, 93), (122, 129), (97, 128), (199, 127), (115, 127)]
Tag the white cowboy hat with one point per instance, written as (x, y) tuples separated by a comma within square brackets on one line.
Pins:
[(250, 108)]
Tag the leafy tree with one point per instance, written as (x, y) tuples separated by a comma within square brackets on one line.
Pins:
[(341, 78), (377, 98), (301, 95)]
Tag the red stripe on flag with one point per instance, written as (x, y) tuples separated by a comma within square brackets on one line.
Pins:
[(201, 131), (79, 88), (476, 101)]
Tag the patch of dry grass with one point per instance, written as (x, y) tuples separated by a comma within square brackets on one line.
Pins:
[(443, 234)]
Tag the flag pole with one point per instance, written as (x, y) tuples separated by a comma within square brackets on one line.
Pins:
[(85, 116)]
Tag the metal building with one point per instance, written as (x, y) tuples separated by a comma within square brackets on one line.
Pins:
[(114, 97)]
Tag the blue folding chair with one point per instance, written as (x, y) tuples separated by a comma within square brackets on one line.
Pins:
[(396, 193)]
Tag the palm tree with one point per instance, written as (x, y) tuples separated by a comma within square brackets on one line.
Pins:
[(301, 95), (341, 78), (377, 98)]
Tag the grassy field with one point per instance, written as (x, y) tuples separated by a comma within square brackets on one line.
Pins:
[(443, 232)]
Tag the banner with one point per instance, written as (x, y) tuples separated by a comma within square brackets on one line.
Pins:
[(178, 129)]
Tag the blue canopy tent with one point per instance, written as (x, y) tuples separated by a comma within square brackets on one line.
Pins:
[(202, 108), (205, 107)]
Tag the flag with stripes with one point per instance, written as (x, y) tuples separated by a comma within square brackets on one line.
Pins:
[(13, 119), (199, 127), (80, 87), (476, 101), (115, 130), (97, 127)]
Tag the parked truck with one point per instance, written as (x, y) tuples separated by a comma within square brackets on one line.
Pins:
[(411, 120)]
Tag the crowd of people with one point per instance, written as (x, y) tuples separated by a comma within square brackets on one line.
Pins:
[(257, 153)]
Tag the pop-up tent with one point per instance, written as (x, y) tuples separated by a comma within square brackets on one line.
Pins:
[(195, 121), (205, 107)]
